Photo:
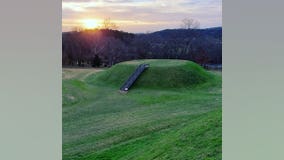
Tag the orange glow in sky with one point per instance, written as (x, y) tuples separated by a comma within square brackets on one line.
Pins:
[(91, 23), (140, 16)]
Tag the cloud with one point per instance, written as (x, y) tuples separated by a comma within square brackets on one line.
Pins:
[(151, 14), (76, 0)]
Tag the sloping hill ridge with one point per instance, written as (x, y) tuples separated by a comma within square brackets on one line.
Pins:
[(161, 74)]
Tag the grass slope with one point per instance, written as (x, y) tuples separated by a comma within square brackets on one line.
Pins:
[(161, 74), (160, 123)]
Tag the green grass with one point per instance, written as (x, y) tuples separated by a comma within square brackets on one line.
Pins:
[(162, 74), (149, 122)]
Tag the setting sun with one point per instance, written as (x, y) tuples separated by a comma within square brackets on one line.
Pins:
[(91, 23)]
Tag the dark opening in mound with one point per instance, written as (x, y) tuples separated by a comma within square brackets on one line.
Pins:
[(161, 74)]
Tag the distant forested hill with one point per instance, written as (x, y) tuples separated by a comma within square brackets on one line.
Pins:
[(107, 47)]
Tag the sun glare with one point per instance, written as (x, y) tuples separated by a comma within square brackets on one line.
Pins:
[(91, 23)]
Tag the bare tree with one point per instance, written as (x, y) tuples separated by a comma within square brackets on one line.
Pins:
[(201, 56), (108, 24), (189, 23)]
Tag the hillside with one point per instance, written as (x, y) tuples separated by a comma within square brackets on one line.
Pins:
[(162, 74), (108, 47), (215, 32), (148, 122)]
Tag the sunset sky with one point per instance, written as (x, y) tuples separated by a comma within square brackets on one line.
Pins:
[(140, 16)]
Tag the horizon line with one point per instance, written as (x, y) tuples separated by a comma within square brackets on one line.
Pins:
[(149, 31)]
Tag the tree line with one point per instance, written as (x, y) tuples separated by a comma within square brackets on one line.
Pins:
[(106, 47)]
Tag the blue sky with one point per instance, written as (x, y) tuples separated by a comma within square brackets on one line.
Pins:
[(140, 16)]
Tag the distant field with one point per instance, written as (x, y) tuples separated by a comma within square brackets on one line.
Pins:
[(161, 123), (78, 73)]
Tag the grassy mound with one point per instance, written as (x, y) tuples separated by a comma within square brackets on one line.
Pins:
[(161, 74), (100, 123)]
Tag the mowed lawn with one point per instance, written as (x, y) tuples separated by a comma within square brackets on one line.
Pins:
[(101, 123)]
